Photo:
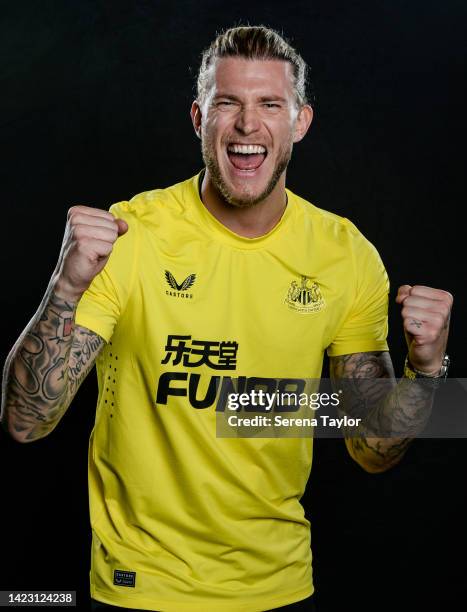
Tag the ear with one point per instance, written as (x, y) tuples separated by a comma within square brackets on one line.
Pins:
[(195, 113), (303, 122)]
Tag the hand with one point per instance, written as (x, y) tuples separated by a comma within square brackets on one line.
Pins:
[(90, 234), (425, 313)]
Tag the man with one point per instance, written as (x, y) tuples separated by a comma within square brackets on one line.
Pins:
[(182, 293)]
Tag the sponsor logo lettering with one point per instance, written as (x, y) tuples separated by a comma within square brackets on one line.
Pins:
[(179, 290)]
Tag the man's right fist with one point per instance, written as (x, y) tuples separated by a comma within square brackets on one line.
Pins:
[(89, 237)]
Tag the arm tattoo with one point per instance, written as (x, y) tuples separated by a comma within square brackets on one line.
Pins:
[(85, 347), (392, 413), (45, 369)]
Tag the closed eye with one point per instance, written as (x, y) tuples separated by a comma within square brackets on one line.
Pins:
[(225, 103)]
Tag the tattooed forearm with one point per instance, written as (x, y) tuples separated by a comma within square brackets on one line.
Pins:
[(85, 347), (45, 368), (391, 414)]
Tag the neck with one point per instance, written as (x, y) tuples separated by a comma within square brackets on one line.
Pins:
[(251, 222)]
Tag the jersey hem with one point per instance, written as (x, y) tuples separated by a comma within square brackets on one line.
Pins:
[(213, 606)]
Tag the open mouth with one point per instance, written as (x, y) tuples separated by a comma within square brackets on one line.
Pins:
[(246, 157)]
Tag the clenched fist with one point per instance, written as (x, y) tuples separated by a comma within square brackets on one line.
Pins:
[(425, 313), (90, 234)]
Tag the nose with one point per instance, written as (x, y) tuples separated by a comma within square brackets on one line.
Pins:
[(247, 121)]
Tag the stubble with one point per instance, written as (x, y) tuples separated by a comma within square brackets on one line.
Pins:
[(244, 201)]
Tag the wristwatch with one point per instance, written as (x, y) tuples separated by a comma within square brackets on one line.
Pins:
[(414, 374)]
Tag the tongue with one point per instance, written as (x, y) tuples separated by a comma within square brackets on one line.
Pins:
[(246, 162)]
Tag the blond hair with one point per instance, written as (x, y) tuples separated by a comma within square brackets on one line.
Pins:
[(254, 42)]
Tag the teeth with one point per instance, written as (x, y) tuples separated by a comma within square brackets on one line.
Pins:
[(246, 149)]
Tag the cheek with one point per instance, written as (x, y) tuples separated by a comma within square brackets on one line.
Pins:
[(211, 131), (281, 131), (221, 127)]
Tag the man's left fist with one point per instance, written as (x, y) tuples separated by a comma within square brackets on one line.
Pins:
[(425, 313)]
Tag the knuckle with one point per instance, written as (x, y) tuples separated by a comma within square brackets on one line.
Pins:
[(78, 232), (111, 229), (103, 250), (409, 309), (106, 234), (449, 298), (71, 215), (72, 210), (75, 218), (77, 208), (82, 244), (446, 310)]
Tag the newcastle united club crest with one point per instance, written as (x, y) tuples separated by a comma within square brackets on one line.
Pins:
[(306, 296)]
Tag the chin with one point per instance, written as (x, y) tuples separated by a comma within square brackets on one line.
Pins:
[(243, 195), (242, 198)]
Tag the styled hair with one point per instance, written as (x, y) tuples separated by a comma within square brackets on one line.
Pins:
[(254, 42)]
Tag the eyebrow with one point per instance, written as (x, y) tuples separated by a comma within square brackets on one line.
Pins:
[(227, 96), (271, 98)]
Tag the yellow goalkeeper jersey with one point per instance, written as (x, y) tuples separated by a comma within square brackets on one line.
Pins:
[(183, 520)]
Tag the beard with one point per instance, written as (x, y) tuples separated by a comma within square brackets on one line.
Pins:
[(245, 200)]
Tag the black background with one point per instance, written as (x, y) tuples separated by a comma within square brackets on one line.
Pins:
[(94, 108)]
